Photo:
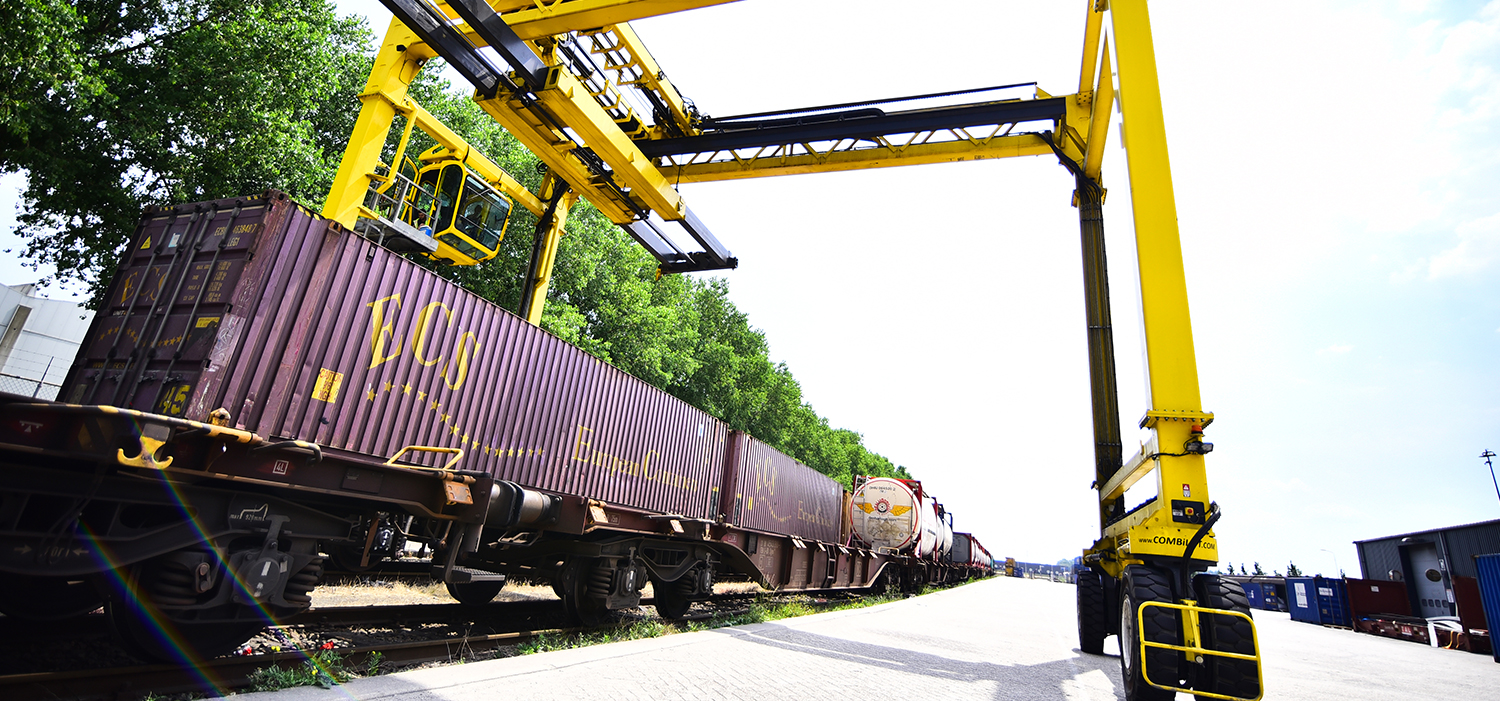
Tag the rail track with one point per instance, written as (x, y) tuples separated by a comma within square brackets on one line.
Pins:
[(465, 631)]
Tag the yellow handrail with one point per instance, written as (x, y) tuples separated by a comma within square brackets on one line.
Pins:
[(1194, 650)]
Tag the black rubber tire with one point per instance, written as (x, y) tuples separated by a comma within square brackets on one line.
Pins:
[(1141, 584), (671, 603), (1093, 613), (475, 593), (1225, 676), (47, 598)]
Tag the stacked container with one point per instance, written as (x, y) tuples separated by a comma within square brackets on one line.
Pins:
[(298, 329), (765, 490)]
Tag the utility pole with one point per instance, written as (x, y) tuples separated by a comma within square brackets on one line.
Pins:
[(1487, 454)]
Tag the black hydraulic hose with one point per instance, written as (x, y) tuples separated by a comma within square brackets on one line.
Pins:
[(1213, 517)]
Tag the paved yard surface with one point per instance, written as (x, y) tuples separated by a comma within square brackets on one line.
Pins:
[(996, 639)]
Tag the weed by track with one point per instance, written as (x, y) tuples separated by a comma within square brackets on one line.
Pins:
[(758, 612)]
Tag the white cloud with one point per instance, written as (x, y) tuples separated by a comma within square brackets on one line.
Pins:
[(1335, 350), (1478, 247)]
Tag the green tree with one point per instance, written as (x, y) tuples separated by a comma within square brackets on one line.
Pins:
[(1292, 571), (158, 102), (1258, 570), (115, 106)]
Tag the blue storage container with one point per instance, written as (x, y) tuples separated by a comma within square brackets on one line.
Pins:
[(1256, 595), (1318, 600), (1489, 595), (1275, 598)]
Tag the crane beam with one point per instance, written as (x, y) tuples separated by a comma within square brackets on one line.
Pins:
[(797, 159)]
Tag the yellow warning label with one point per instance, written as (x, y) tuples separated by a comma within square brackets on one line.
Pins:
[(207, 321), (327, 389), (147, 244)]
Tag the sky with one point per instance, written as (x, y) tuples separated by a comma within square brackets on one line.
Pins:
[(1333, 164)]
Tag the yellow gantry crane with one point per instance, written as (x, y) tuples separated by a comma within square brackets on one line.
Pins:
[(575, 85)]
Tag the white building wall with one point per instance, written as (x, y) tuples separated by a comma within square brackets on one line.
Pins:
[(39, 338)]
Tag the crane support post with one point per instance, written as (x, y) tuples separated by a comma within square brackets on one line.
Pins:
[(1093, 26), (1161, 527), (1103, 102), (396, 64), (549, 231), (1102, 388)]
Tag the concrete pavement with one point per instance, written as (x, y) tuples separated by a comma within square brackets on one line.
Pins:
[(996, 639)]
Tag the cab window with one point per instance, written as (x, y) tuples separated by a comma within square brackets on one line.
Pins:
[(483, 216), (449, 188)]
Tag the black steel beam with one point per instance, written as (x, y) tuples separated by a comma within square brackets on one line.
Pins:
[(432, 26), (861, 124), (489, 26)]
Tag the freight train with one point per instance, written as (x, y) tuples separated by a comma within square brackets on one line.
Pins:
[(263, 391)]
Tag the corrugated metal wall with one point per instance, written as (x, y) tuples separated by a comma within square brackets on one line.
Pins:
[(1458, 545), (772, 492), (1464, 543), (304, 331)]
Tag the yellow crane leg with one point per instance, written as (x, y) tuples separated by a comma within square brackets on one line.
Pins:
[(1171, 365), (549, 231), (393, 72)]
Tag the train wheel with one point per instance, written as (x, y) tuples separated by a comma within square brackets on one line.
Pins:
[(475, 593), (671, 601), (145, 632), (1139, 585), (348, 558), (47, 598), (1226, 676), (585, 588), (1093, 613)]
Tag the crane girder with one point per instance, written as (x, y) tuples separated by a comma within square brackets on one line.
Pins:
[(534, 19), (872, 139)]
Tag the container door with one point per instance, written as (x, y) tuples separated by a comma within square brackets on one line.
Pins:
[(1304, 603), (1432, 595)]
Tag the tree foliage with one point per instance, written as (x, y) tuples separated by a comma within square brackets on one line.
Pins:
[(166, 102), (153, 102)]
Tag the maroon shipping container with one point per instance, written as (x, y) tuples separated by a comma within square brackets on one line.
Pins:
[(767, 491), (302, 330), (1369, 597)]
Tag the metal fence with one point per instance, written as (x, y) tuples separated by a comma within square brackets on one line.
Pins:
[(29, 387)]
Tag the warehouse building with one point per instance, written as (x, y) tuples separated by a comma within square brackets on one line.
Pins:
[(1427, 562)]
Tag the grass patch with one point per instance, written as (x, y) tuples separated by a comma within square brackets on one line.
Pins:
[(324, 668), (549, 642), (759, 612)]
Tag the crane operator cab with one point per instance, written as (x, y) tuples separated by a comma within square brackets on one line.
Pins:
[(465, 214), (438, 208)]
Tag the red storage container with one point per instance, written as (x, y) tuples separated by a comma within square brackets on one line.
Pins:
[(302, 330)]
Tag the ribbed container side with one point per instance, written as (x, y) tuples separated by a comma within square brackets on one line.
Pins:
[(333, 339), (1488, 569), (1255, 595), (187, 290), (1302, 599), (1470, 604), (775, 493), (1375, 596)]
